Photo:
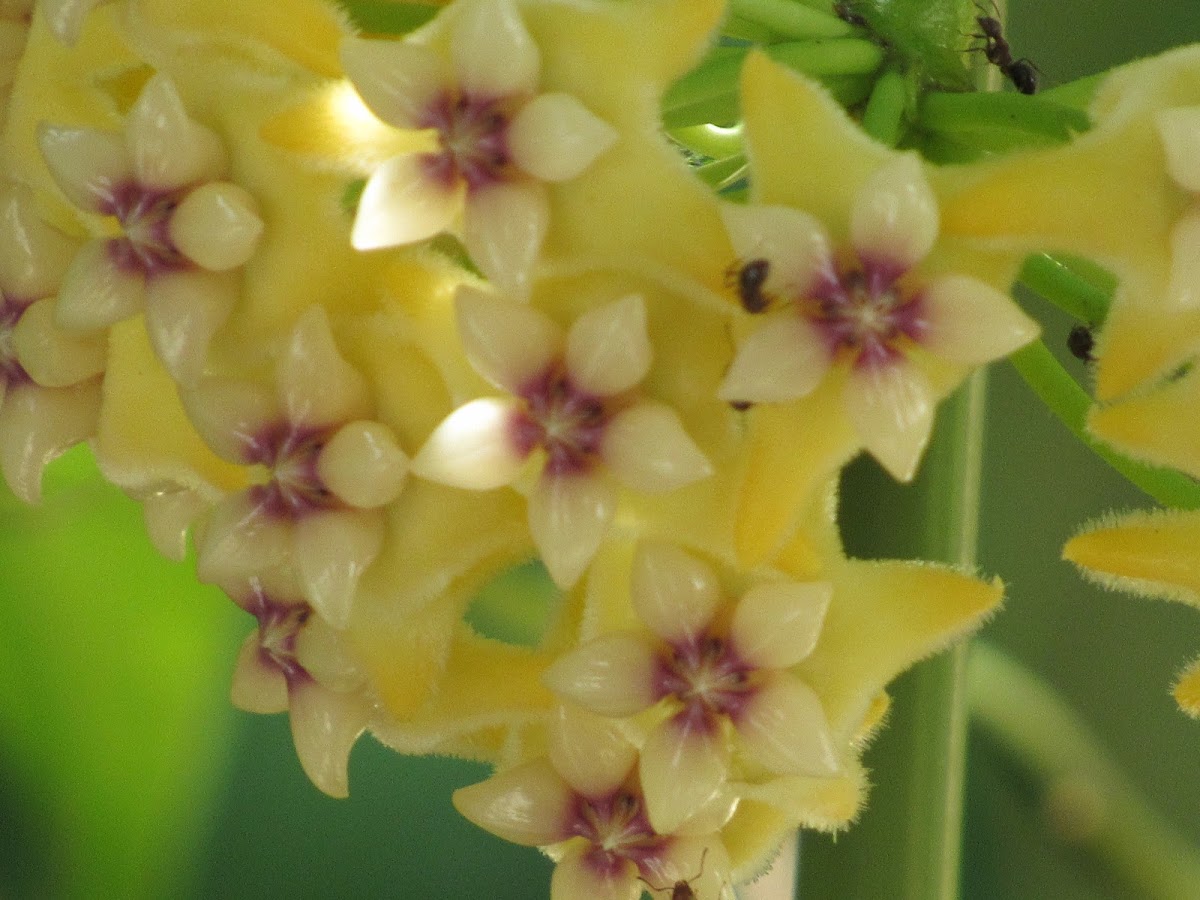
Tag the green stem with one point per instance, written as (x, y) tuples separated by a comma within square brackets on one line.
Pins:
[(721, 173), (789, 19), (1070, 403), (1113, 821), (1078, 288), (883, 118), (1001, 121), (715, 143), (384, 17)]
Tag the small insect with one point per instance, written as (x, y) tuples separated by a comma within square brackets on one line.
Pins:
[(741, 405), (682, 889), (748, 279), (1021, 72), (846, 13), (1080, 342)]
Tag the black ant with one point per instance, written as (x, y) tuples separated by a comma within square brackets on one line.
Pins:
[(844, 12), (1021, 72), (749, 279), (682, 889), (1080, 342)]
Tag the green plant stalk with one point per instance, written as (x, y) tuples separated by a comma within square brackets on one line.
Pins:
[(1080, 290), (383, 17), (789, 19), (907, 844), (1113, 822), (983, 114), (883, 118)]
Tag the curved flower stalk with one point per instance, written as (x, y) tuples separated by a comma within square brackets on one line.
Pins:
[(724, 676), (328, 472), (294, 661), (183, 230), (49, 378), (582, 804), (574, 402), (499, 139)]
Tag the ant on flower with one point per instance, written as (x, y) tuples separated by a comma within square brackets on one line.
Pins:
[(1021, 72), (682, 889)]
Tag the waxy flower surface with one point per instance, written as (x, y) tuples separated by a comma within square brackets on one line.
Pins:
[(498, 140), (716, 672), (574, 402), (182, 229)]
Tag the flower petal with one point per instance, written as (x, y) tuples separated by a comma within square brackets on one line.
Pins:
[(96, 292), (35, 254), (183, 312), (402, 204), (399, 81), (472, 448), (784, 728), (971, 322), (1183, 291), (169, 514), (608, 349), (169, 149), (217, 226), (1179, 129), (702, 863), (325, 725), (39, 424), (894, 220), (363, 465), (503, 230), (528, 805), (568, 517), (590, 752), (891, 407), (238, 541), (683, 765), (230, 416), (54, 357), (794, 244), (257, 687), (555, 137), (674, 593), (90, 166), (648, 450), (777, 625), (508, 343), (1187, 690), (66, 17), (322, 650), (577, 877), (494, 54), (316, 384), (331, 551), (612, 675), (783, 360)]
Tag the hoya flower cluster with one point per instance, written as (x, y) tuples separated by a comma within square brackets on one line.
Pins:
[(371, 321)]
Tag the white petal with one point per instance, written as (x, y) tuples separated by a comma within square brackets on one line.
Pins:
[(183, 312), (1179, 129), (648, 450), (402, 204), (35, 254), (701, 862), (894, 220), (674, 593), (169, 515), (891, 408), (568, 517), (96, 292), (332, 550), (66, 17), (576, 877), (555, 137), (682, 769), (971, 322), (257, 687), (783, 360), (494, 55), (508, 343), (777, 625), (51, 356), (472, 448), (503, 230), (325, 725), (363, 465), (217, 226), (590, 752), (397, 80), (608, 349), (1183, 292), (321, 649), (39, 424), (794, 244), (168, 148), (612, 675), (88, 165), (528, 805), (316, 384), (783, 727), (238, 541), (231, 416)]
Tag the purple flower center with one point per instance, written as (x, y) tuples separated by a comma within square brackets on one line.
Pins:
[(278, 625), (473, 133), (568, 423), (146, 247), (616, 826), (12, 373), (866, 308), (295, 487), (707, 676)]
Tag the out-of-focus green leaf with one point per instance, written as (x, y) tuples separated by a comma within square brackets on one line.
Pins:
[(931, 35)]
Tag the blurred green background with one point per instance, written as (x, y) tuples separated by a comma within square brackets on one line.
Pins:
[(125, 773)]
